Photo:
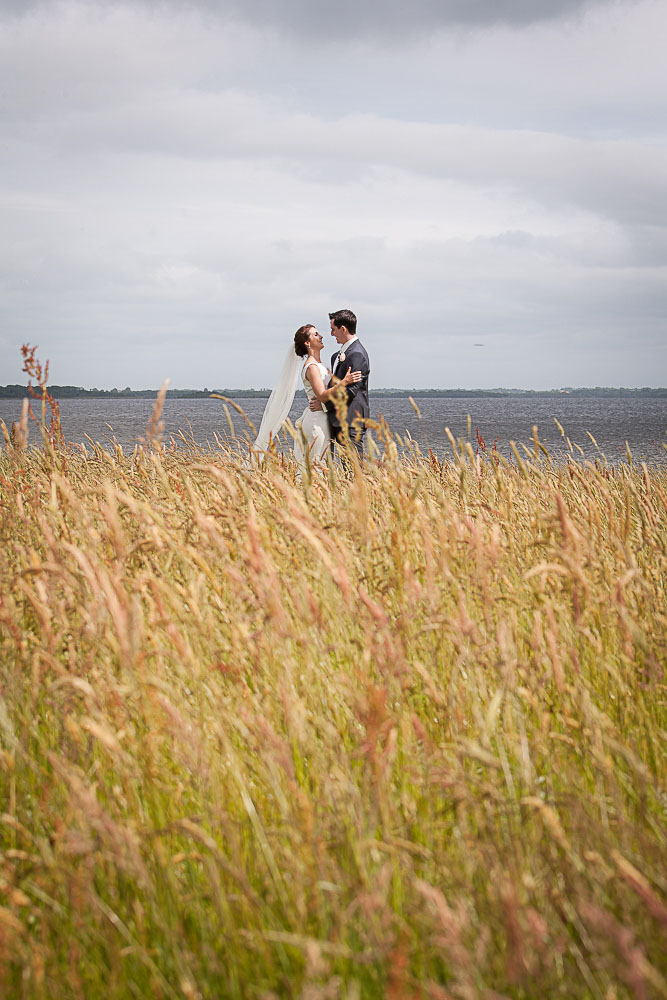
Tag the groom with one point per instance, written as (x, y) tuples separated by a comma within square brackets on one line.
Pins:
[(351, 354)]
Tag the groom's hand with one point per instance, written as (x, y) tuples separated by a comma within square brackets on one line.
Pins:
[(315, 405)]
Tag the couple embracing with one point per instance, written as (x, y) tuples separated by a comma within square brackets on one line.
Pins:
[(337, 396)]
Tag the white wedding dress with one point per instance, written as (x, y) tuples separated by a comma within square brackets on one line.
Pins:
[(313, 424)]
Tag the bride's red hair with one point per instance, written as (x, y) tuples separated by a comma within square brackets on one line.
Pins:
[(301, 340)]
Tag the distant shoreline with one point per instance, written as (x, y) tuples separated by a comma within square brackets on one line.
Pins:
[(599, 392)]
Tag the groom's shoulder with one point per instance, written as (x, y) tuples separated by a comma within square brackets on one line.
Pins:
[(358, 348)]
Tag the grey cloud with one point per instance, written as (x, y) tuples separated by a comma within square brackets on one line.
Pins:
[(346, 17), (171, 205), (623, 180), (148, 277), (554, 78), (350, 18)]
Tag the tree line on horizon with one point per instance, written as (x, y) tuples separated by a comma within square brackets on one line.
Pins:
[(77, 392)]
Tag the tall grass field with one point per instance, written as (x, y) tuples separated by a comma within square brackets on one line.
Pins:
[(396, 730)]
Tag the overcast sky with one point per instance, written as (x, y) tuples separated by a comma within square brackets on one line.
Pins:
[(484, 182)]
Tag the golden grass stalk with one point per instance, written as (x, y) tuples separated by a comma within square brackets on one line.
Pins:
[(392, 731)]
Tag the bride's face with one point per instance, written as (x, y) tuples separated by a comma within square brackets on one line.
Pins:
[(315, 341)]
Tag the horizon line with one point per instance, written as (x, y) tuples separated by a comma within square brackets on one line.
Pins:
[(232, 389)]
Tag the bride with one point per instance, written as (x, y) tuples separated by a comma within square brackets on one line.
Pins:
[(313, 424)]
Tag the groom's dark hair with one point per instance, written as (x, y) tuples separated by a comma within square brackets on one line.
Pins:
[(346, 318)]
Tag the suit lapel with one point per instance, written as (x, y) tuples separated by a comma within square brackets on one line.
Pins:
[(343, 365)]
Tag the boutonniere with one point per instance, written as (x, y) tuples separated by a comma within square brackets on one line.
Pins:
[(341, 357)]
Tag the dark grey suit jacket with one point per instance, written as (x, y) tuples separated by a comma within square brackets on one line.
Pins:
[(358, 407)]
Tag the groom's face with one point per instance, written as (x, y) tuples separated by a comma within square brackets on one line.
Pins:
[(339, 332)]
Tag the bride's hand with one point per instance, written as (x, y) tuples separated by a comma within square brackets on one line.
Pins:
[(351, 377)]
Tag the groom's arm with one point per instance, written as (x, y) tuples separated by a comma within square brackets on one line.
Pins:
[(359, 362)]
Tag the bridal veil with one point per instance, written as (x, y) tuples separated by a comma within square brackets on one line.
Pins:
[(280, 401)]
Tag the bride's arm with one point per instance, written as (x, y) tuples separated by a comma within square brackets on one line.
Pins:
[(324, 395)]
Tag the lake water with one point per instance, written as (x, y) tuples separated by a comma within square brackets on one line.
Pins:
[(612, 422)]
